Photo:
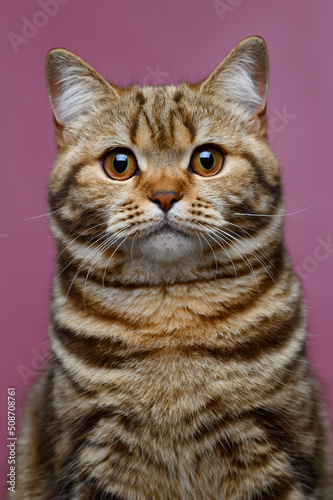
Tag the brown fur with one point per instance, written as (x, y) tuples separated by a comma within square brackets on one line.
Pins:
[(178, 367)]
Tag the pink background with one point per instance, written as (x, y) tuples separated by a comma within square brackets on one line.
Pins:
[(159, 42)]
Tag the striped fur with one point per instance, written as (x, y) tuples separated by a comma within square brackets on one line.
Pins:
[(178, 367)]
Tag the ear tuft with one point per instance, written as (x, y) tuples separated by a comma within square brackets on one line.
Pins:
[(242, 78), (73, 86)]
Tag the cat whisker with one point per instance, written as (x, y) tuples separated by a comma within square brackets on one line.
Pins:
[(43, 215), (85, 261), (247, 261), (254, 239), (226, 251), (201, 247), (80, 235), (70, 232), (82, 266), (279, 215), (253, 252), (104, 274), (241, 242), (243, 257), (101, 249), (228, 255), (136, 232), (210, 246), (76, 257)]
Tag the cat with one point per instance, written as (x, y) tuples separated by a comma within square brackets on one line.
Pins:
[(178, 367)]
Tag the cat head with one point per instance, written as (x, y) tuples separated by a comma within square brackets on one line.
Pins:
[(163, 174)]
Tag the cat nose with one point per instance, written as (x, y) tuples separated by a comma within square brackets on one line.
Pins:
[(165, 199)]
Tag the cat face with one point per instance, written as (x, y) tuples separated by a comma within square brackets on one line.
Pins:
[(163, 174)]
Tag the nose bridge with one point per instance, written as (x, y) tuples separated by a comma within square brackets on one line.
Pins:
[(165, 181), (165, 188)]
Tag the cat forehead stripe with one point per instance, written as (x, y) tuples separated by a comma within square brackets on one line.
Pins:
[(161, 126)]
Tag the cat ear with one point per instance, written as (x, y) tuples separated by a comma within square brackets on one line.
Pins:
[(242, 79), (74, 87)]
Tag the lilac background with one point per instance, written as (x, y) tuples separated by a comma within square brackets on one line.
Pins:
[(159, 42)]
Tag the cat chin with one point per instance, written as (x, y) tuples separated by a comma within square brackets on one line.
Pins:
[(168, 246)]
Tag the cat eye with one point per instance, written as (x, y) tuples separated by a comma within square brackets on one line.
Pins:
[(120, 164), (207, 160)]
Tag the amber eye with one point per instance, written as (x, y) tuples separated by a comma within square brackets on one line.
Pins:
[(207, 160), (120, 164)]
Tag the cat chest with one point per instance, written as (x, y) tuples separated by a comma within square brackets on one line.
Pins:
[(167, 428)]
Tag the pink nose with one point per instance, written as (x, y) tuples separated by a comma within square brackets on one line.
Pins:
[(165, 199)]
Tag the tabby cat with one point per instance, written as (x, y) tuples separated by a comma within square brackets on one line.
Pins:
[(178, 366)]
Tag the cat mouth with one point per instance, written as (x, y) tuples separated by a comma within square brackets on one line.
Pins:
[(166, 228), (167, 243)]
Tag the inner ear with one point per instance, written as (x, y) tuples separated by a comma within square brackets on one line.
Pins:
[(75, 89), (242, 79)]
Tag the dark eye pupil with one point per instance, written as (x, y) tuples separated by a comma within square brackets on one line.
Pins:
[(206, 160), (120, 163)]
